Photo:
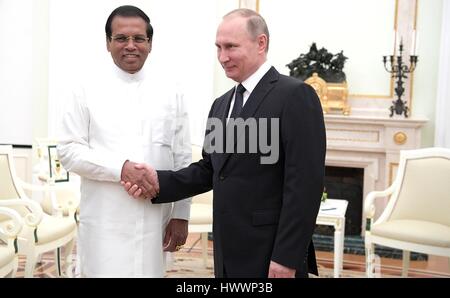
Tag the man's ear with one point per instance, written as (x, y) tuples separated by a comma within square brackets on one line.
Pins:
[(150, 46), (108, 44), (262, 42)]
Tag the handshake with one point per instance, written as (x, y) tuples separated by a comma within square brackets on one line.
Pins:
[(139, 180)]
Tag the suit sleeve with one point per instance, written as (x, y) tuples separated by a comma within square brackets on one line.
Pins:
[(304, 142)]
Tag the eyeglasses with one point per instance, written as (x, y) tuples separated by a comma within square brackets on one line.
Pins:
[(125, 38)]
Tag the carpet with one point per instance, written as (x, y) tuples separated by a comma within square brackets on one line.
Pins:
[(355, 245), (190, 265), (183, 265)]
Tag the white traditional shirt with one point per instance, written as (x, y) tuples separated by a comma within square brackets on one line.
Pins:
[(111, 119)]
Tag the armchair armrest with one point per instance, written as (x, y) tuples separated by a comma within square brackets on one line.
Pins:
[(32, 187), (58, 199), (12, 229), (34, 217), (369, 206), (64, 201), (47, 190)]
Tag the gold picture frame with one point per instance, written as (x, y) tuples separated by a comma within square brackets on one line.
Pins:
[(56, 170)]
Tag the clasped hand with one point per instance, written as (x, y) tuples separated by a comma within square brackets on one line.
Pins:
[(139, 180)]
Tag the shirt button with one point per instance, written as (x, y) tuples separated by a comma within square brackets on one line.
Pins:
[(222, 177)]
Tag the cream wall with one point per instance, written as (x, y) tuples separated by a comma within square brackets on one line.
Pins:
[(183, 50), (335, 25), (201, 40), (40, 61), (364, 30), (221, 82), (16, 59)]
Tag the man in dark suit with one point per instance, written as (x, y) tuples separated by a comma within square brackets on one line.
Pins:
[(264, 212)]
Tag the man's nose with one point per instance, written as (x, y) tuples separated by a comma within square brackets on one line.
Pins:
[(130, 44), (223, 57)]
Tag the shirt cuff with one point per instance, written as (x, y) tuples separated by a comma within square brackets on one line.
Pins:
[(182, 209), (116, 170)]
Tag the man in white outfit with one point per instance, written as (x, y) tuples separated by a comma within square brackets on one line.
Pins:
[(121, 117)]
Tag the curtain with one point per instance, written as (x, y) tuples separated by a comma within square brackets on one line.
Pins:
[(442, 132)]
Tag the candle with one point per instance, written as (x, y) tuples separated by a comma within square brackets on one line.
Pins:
[(413, 43), (416, 44), (394, 35)]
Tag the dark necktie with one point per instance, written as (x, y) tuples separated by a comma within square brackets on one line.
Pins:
[(238, 101)]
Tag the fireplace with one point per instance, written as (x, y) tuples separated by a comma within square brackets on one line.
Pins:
[(372, 145), (362, 156), (347, 184)]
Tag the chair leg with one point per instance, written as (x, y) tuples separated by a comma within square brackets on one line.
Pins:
[(10, 274), (13, 272), (195, 243), (30, 264), (169, 261), (370, 255), (68, 260), (405, 262), (205, 249), (16, 265), (57, 256)]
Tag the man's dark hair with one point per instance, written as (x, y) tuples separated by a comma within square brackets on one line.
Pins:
[(128, 11)]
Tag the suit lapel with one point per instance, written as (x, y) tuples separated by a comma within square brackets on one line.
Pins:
[(224, 109), (259, 93), (222, 113), (251, 106)]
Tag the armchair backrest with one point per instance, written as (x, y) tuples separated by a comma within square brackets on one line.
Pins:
[(9, 188), (422, 186)]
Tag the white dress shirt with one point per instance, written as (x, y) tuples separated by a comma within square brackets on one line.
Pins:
[(112, 118), (250, 84)]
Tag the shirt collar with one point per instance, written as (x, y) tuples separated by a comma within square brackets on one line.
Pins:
[(129, 77), (253, 80)]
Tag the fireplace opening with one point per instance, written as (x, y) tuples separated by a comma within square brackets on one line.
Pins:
[(345, 184)]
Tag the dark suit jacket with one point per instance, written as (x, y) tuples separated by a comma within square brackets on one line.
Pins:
[(262, 212)]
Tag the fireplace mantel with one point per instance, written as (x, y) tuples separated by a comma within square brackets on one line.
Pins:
[(372, 143)]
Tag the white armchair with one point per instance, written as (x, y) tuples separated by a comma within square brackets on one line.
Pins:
[(201, 212), (9, 229), (41, 232), (417, 216), (58, 198)]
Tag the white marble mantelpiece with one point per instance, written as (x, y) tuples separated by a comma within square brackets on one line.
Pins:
[(372, 143)]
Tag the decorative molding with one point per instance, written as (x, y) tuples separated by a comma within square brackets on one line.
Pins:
[(354, 135), (391, 88), (400, 138), (371, 164), (250, 4), (391, 171)]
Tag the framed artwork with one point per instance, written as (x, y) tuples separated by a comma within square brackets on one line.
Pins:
[(56, 169), (251, 4)]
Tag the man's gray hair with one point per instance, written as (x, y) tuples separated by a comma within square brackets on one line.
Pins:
[(256, 24)]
